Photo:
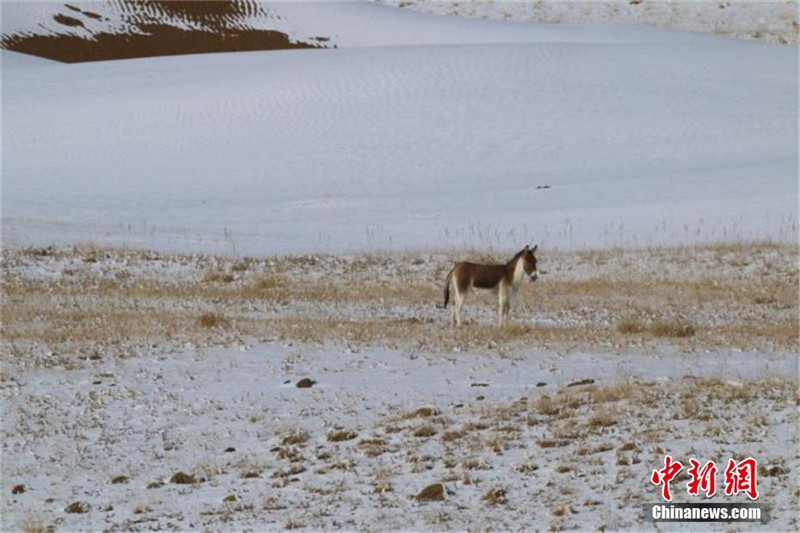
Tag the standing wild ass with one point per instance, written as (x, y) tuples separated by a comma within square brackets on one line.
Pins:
[(503, 280)]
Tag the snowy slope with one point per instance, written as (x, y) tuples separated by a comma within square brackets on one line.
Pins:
[(421, 131), (338, 23)]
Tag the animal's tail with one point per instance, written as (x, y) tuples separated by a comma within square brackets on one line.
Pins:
[(447, 289)]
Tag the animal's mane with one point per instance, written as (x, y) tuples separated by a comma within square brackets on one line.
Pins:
[(516, 256)]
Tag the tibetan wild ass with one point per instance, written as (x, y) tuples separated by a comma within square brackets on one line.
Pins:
[(503, 280)]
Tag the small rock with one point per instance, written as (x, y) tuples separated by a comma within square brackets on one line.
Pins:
[(19, 489), (305, 383), (541, 384), (431, 493), (230, 449), (587, 381)]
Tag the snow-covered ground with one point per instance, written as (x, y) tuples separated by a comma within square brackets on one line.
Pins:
[(774, 21), (442, 138), (122, 368), (484, 133), (236, 421)]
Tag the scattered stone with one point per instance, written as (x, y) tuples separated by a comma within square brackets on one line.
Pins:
[(481, 397), (19, 489), (541, 384), (431, 493), (230, 498), (119, 479), (305, 383), (587, 381), (479, 385), (230, 449), (154, 485)]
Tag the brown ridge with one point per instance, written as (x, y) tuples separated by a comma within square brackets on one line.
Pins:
[(222, 28)]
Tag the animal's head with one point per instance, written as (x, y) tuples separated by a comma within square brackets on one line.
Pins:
[(529, 262)]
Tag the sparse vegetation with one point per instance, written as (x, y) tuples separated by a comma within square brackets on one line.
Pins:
[(212, 320), (103, 305), (579, 433)]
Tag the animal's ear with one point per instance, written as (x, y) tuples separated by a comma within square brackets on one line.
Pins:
[(534, 248), (525, 249)]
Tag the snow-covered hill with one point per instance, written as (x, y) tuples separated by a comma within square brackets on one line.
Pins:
[(774, 21), (417, 131)]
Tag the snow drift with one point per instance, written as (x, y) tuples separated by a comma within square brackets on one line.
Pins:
[(417, 131)]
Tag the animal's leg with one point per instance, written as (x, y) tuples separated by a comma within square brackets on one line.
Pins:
[(459, 303), (502, 309)]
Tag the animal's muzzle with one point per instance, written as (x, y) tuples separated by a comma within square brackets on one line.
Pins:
[(534, 276)]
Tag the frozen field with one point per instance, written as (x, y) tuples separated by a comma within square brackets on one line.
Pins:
[(124, 368), (186, 238)]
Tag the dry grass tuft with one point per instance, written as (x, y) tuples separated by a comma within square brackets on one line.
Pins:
[(546, 406), (661, 328), (452, 435), (181, 478), (119, 479), (35, 525), (77, 508), (495, 497), (291, 471), (422, 412), (424, 431), (218, 277), (342, 435), (631, 325), (603, 419), (550, 443), (212, 320), (295, 436)]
